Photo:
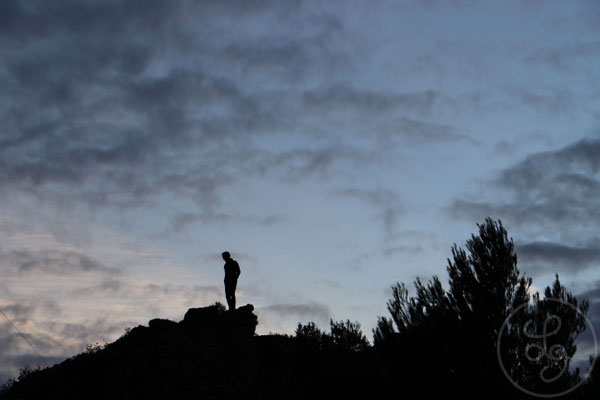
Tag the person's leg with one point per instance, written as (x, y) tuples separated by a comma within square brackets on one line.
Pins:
[(233, 295), (230, 294)]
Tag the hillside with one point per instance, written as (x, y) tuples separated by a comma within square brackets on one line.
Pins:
[(210, 354)]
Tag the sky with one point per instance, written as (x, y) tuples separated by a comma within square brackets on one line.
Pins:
[(334, 148)]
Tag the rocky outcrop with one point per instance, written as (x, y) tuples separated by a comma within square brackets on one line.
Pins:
[(210, 321), (210, 354)]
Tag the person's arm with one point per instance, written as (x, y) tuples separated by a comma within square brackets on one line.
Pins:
[(237, 270)]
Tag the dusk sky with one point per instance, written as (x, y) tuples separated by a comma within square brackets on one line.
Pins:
[(333, 147)]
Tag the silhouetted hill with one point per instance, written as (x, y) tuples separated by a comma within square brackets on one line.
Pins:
[(210, 354)]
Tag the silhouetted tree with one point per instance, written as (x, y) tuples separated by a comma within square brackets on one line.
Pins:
[(453, 334), (344, 336), (348, 336), (562, 318), (592, 388), (310, 335)]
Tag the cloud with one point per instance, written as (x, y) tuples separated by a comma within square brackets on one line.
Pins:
[(418, 132), (303, 311), (565, 58), (138, 102), (388, 118), (347, 98), (182, 220), (550, 197), (388, 202), (555, 188), (569, 258), (113, 286), (119, 119), (190, 294), (553, 101), (58, 262), (17, 311), (377, 197), (586, 343), (411, 250), (301, 163)]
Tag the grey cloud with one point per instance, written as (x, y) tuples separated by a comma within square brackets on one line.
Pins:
[(38, 18), (112, 286), (312, 310), (510, 146), (292, 55), (182, 220), (428, 62), (385, 200), (54, 262), (8, 339), (301, 163), (114, 110), (22, 312), (345, 97), (553, 193), (570, 258), (378, 112), (552, 188), (134, 100), (593, 296), (563, 58), (194, 294), (390, 219), (412, 250), (478, 210), (24, 343), (328, 284), (418, 132), (378, 197), (19, 311), (553, 101)]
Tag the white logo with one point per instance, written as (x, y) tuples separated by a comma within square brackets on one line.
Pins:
[(553, 361)]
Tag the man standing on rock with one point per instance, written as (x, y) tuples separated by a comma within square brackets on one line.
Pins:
[(232, 272)]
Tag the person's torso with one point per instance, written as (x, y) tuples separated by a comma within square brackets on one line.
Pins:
[(231, 269)]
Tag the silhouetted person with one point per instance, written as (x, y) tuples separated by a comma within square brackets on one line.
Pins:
[(232, 271)]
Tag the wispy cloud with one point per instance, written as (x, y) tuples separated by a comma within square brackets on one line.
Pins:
[(53, 261), (554, 187), (316, 311), (569, 258)]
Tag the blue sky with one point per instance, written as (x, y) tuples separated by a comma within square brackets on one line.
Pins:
[(334, 148)]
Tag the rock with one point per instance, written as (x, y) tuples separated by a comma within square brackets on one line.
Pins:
[(213, 321), (241, 320), (162, 324), (202, 315)]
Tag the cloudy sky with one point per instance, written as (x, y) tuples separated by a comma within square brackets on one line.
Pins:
[(334, 148)]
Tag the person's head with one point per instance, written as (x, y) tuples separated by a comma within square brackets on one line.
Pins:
[(226, 256)]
